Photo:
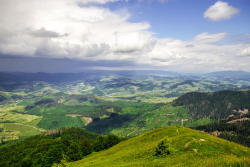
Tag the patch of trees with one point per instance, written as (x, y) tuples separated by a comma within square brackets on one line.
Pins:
[(45, 102), (103, 126), (237, 132), (2, 98), (45, 150)]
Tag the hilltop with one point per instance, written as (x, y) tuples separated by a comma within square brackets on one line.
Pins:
[(185, 147)]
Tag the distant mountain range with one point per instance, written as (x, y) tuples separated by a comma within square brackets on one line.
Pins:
[(88, 75), (233, 75), (67, 77)]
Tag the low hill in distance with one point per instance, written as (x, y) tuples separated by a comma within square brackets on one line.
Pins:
[(170, 146), (230, 75)]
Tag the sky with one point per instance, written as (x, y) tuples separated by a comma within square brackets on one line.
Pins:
[(196, 36)]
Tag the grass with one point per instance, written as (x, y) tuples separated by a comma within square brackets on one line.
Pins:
[(60, 121), (157, 99), (163, 116), (144, 117), (16, 123), (14, 131), (11, 113), (56, 116), (190, 148), (134, 117), (24, 130)]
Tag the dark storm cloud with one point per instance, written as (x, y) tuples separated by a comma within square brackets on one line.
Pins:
[(43, 33), (28, 64)]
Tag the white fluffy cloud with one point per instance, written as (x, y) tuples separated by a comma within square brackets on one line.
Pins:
[(65, 29), (70, 29), (203, 53), (220, 11)]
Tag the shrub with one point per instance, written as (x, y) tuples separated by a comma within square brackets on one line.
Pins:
[(104, 142), (163, 148)]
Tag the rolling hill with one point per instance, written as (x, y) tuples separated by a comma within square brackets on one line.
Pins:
[(178, 146)]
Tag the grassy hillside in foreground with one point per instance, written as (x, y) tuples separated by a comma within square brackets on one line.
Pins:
[(187, 148)]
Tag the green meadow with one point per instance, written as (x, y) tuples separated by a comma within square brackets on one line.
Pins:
[(187, 147)]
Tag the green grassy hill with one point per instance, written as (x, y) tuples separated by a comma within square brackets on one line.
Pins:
[(187, 147)]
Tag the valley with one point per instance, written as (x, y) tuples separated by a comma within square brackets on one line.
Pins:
[(139, 110), (124, 105)]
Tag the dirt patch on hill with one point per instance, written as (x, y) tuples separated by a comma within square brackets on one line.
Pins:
[(238, 120), (74, 115), (86, 120), (242, 112)]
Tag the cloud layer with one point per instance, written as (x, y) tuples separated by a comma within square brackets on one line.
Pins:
[(81, 30), (220, 11)]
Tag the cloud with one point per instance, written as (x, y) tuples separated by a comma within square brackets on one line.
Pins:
[(220, 11), (246, 52), (43, 64), (202, 53), (109, 1), (209, 38), (43, 33), (161, 1), (64, 29), (94, 1)]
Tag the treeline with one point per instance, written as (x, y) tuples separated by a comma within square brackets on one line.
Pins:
[(64, 145), (216, 105)]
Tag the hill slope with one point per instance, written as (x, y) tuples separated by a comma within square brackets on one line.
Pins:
[(229, 112), (187, 148)]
